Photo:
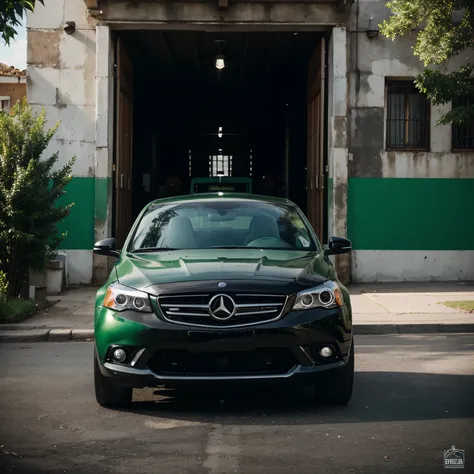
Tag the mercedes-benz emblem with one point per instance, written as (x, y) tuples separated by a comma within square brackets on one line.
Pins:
[(222, 307)]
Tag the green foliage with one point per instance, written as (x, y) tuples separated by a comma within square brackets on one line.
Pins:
[(442, 29), (3, 285), (461, 305), (16, 311), (11, 15), (30, 186)]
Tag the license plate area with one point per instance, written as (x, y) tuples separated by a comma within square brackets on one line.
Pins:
[(218, 340), (227, 336)]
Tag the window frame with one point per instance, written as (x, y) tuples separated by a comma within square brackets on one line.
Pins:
[(7, 100), (408, 84), (220, 158), (456, 149)]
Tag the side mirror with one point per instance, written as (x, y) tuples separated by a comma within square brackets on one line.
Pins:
[(107, 247), (338, 245)]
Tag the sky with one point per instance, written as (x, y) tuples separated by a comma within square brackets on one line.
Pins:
[(15, 54)]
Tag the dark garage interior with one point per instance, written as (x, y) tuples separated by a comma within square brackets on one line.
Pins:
[(191, 119)]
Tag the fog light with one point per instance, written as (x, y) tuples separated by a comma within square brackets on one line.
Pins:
[(119, 355), (325, 352)]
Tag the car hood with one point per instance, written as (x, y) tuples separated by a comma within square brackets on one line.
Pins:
[(161, 272)]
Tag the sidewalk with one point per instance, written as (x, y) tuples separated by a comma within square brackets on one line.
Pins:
[(377, 309)]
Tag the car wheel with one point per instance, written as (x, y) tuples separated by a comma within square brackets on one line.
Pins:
[(335, 388), (107, 393)]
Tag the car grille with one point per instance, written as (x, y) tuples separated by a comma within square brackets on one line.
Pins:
[(263, 361), (195, 309)]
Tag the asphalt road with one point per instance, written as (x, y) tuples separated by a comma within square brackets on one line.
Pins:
[(414, 398)]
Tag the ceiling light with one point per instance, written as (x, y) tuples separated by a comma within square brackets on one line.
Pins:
[(220, 64)]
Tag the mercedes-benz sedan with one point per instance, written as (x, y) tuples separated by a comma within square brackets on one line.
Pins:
[(222, 287)]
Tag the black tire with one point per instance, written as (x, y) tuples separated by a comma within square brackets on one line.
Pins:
[(335, 387), (107, 393)]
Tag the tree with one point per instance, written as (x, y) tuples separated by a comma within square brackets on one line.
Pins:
[(30, 186), (443, 29), (11, 15)]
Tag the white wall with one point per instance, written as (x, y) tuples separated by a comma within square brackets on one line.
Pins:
[(61, 79), (412, 265)]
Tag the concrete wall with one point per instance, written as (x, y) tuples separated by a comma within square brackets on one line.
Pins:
[(407, 210), (61, 79), (338, 143), (71, 77), (192, 14)]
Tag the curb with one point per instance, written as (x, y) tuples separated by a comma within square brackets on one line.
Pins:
[(64, 335), (437, 328), (46, 335)]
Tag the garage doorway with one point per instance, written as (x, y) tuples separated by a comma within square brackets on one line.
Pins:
[(260, 116)]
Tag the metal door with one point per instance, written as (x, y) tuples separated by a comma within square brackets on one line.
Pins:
[(315, 143), (124, 145)]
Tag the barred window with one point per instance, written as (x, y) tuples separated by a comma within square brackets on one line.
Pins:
[(220, 165), (462, 134), (408, 117)]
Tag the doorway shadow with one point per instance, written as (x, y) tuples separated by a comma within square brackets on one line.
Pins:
[(378, 396)]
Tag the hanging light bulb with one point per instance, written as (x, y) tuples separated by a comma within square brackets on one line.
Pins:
[(220, 64)]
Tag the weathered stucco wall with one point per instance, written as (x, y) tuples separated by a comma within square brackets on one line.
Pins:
[(407, 210), (338, 143), (61, 79), (404, 211), (71, 76), (186, 15)]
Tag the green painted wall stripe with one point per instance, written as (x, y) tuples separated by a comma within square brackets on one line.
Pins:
[(411, 214), (103, 186), (330, 208), (86, 194)]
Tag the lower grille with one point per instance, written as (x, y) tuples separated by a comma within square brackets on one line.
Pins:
[(239, 309), (268, 361)]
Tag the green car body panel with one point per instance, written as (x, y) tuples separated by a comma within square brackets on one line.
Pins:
[(221, 183), (141, 272)]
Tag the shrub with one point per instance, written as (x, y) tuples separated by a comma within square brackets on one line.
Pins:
[(16, 311), (30, 185)]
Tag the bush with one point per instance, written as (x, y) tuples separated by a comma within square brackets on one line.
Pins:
[(30, 186), (16, 311)]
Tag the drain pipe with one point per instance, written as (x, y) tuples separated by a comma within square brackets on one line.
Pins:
[(356, 103), (357, 70), (287, 154)]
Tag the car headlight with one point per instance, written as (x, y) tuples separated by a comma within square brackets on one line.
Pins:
[(328, 295), (122, 298)]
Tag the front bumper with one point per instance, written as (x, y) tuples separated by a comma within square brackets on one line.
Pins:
[(163, 353)]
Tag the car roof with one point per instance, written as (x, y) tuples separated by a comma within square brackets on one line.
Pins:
[(222, 195)]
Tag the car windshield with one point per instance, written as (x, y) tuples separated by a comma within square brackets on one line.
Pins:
[(222, 224)]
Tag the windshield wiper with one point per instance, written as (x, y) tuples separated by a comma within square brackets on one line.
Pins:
[(229, 247), (253, 248), (153, 249)]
